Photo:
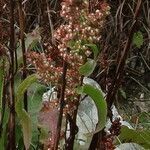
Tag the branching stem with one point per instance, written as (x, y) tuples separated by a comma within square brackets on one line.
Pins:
[(22, 37)]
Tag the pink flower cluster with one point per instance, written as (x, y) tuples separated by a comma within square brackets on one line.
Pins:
[(81, 27)]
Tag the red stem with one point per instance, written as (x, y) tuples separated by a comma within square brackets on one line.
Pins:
[(62, 95)]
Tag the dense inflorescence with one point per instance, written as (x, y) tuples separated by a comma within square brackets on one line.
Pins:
[(81, 27)]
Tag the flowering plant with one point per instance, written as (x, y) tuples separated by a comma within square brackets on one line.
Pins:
[(73, 38), (74, 54)]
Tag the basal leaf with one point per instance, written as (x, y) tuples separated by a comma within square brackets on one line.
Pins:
[(138, 39), (100, 102), (88, 67), (26, 128), (140, 137), (94, 49), (24, 117)]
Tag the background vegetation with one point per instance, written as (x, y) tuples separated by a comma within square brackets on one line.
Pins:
[(119, 62)]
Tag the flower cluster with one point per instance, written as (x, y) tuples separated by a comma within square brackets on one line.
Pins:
[(45, 69), (81, 27), (107, 140)]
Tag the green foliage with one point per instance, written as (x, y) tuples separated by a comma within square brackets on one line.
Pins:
[(133, 136), (144, 120), (100, 102), (95, 49), (43, 134), (3, 138), (88, 67), (23, 116), (18, 132), (138, 39), (35, 92)]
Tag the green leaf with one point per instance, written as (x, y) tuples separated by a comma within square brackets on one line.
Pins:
[(24, 117), (35, 92), (88, 67), (3, 138), (25, 85), (94, 49), (100, 102), (43, 133), (138, 39), (140, 137), (2, 72)]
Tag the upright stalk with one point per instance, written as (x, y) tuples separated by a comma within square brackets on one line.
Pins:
[(97, 138), (62, 102), (72, 120), (11, 122), (22, 37), (120, 68)]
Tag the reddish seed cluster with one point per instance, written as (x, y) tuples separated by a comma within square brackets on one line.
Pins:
[(45, 67), (81, 27), (115, 127), (107, 141)]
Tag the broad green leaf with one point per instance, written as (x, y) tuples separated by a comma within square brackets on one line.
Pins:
[(138, 39), (140, 137), (94, 49), (88, 67), (25, 85), (100, 102), (35, 92), (23, 116), (43, 133), (2, 72)]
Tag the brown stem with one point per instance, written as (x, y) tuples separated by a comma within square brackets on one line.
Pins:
[(3, 103), (72, 121), (121, 65), (11, 122), (96, 141), (62, 102), (22, 37)]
